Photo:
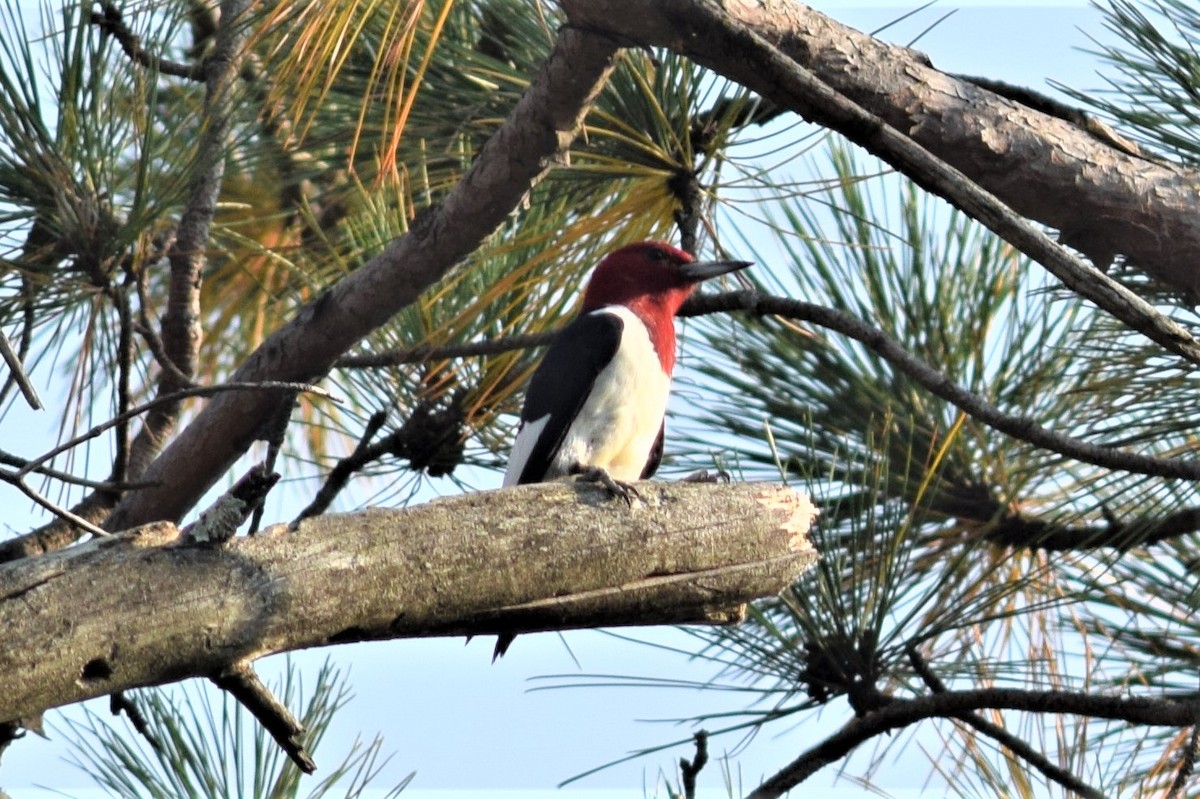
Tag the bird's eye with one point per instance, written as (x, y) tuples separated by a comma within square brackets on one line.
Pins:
[(656, 255)]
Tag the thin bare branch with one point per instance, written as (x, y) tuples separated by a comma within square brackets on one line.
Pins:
[(17, 481), (364, 452), (1005, 738), (59, 533), (16, 370), (111, 22), (1019, 427), (8, 459), (125, 356), (196, 391), (146, 330), (245, 686), (1187, 764), (690, 769), (899, 713), (118, 703), (423, 354)]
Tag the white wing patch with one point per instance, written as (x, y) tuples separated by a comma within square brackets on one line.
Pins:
[(522, 448)]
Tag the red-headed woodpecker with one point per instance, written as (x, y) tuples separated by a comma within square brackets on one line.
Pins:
[(596, 402)]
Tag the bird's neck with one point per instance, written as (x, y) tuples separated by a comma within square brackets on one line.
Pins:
[(660, 326)]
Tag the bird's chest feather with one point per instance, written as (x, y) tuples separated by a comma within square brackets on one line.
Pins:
[(621, 417)]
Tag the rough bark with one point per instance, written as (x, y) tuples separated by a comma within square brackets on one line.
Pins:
[(1103, 200), (150, 606)]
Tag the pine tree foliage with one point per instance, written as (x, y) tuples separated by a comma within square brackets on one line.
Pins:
[(201, 746), (955, 558)]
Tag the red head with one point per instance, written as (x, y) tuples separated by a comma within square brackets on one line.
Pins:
[(651, 275), (652, 279)]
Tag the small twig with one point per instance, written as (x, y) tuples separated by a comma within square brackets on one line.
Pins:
[(1003, 737), (17, 480), (8, 459), (153, 342), (689, 769), (120, 296), (424, 353), (17, 371), (274, 433), (340, 475), (27, 322), (197, 391), (244, 685), (1187, 764), (118, 703), (110, 21)]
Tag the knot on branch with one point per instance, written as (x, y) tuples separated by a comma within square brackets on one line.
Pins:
[(433, 438), (847, 665)]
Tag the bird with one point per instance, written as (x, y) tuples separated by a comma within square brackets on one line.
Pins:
[(596, 403)]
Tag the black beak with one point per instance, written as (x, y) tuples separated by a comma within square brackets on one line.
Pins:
[(697, 271)]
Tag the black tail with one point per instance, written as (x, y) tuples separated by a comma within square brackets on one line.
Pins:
[(503, 642)]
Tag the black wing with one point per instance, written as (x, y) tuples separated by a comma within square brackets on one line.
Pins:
[(562, 382), (656, 453)]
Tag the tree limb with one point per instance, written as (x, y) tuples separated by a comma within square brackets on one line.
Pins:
[(146, 607), (538, 131), (705, 30), (1103, 200), (1167, 711), (244, 685), (1023, 428), (1000, 735)]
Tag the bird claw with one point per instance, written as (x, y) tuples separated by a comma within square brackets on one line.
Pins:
[(615, 488)]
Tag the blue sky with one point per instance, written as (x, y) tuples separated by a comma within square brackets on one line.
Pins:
[(462, 723)]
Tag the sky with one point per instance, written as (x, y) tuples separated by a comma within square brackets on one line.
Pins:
[(465, 725)]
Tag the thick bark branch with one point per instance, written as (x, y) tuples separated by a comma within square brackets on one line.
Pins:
[(1103, 200), (713, 35), (538, 131), (145, 607)]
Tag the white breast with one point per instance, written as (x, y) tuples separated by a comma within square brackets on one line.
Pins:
[(619, 422), (620, 419)]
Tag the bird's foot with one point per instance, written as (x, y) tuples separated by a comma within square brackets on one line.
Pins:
[(705, 476), (616, 488)]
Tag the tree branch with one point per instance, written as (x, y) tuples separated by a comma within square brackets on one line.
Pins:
[(1005, 738), (422, 354), (539, 557), (111, 22), (535, 134), (1020, 427), (244, 685), (16, 372), (1187, 764), (1168, 711), (737, 38)]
